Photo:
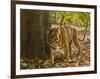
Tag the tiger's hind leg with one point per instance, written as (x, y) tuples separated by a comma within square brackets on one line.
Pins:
[(76, 42), (66, 52)]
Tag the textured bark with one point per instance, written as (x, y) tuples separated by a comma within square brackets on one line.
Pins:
[(34, 24)]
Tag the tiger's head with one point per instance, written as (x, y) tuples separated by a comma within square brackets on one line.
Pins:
[(54, 41)]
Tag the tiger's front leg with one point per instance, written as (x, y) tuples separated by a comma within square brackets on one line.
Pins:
[(52, 56)]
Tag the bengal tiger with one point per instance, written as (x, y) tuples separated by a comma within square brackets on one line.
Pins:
[(60, 39)]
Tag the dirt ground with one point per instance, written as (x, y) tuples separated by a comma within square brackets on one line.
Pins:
[(83, 60)]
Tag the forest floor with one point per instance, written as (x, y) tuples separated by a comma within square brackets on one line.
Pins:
[(84, 60)]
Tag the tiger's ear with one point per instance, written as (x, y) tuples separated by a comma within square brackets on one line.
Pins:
[(49, 43), (48, 31)]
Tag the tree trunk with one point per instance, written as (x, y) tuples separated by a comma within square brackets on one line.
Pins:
[(34, 24)]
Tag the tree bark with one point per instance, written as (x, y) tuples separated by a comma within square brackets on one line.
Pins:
[(34, 24)]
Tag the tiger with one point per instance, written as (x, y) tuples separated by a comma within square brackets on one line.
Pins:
[(59, 40)]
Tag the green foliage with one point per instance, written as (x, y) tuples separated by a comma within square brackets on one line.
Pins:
[(72, 18)]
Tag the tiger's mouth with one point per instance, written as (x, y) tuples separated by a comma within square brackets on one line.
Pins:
[(55, 45)]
